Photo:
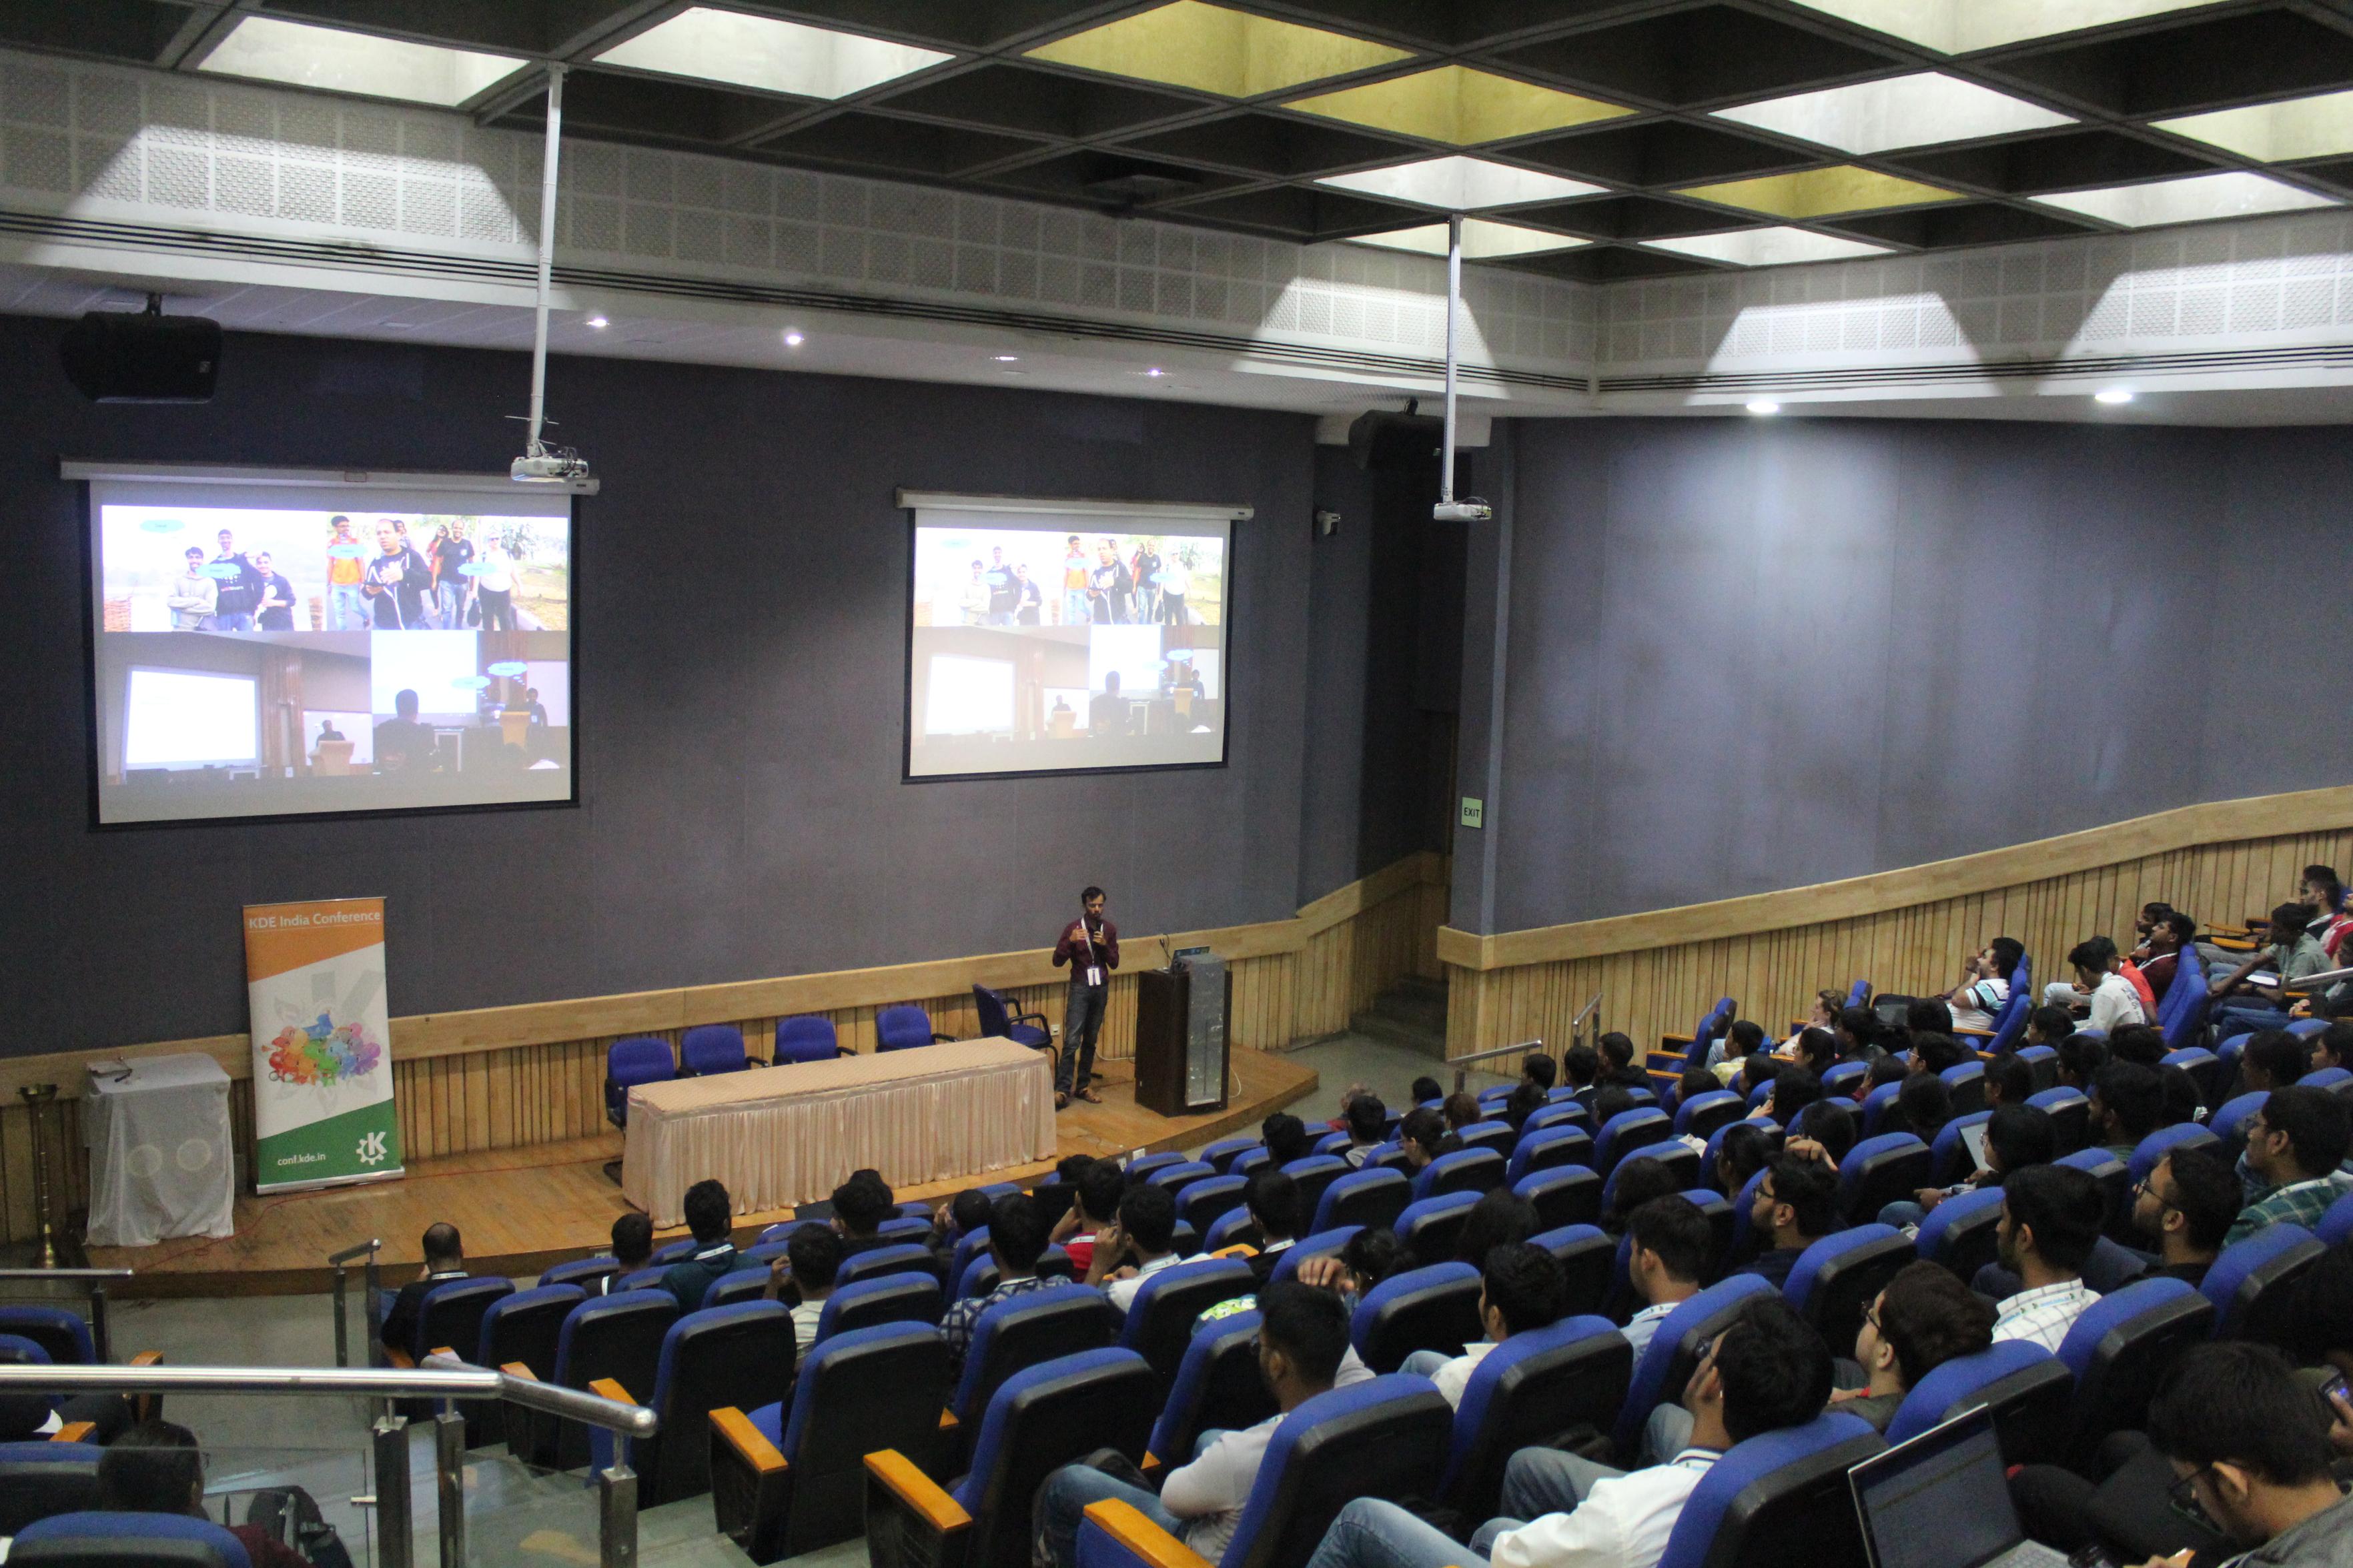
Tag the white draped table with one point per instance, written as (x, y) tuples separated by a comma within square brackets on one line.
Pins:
[(784, 1135)]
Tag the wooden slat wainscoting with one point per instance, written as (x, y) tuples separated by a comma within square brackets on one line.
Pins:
[(502, 1078), (1905, 931)]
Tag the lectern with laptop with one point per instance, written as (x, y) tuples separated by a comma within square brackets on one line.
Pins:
[(1180, 1034)]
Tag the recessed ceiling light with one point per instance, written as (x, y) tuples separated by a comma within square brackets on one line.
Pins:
[(769, 54), (1957, 27), (1461, 184), (2318, 127), (1820, 193), (1764, 405), (2191, 200), (333, 61), (1213, 49), (1767, 246), (2113, 396), (1482, 239), (600, 322), (1918, 111), (1459, 106), (1008, 359), (793, 339)]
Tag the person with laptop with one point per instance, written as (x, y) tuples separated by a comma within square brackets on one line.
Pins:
[(1768, 1371), (2050, 1219), (1942, 1501)]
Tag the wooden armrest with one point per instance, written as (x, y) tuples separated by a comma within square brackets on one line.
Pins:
[(1665, 1041), (148, 1358), (74, 1432), (735, 1429), (399, 1358), (517, 1369), (1151, 1463), (445, 1349), (610, 1389), (1152, 1545), (1239, 1249), (921, 1495), (1961, 1033), (1663, 1076), (947, 1421)]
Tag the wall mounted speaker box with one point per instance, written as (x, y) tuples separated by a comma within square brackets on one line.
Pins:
[(143, 356)]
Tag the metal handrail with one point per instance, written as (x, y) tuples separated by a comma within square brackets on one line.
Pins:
[(337, 1261), (446, 1379), (1458, 1063)]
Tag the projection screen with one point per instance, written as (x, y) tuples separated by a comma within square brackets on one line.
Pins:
[(1065, 636), (269, 644)]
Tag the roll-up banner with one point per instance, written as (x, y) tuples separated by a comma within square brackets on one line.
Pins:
[(322, 1112)]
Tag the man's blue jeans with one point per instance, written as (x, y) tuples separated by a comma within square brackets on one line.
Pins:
[(346, 609), (1063, 1505)]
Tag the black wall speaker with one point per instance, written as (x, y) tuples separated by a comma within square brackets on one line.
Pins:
[(1378, 440), (130, 356)]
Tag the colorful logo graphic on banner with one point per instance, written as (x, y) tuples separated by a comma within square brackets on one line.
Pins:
[(322, 1109)]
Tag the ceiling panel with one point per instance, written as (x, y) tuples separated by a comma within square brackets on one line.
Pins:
[(1226, 115)]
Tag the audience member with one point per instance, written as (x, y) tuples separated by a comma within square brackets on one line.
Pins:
[(2050, 1219), (2081, 1057), (1017, 1239), (1741, 1155), (2127, 1102), (1766, 1372), (1743, 1039), (955, 1219), (633, 1249), (1858, 1032), (1090, 1212), (1827, 1123), (860, 1207), (1794, 1089), (1984, 989), (1796, 1205), (157, 1467), (2107, 999), (1525, 1100), (1921, 1108), (2293, 951), (1824, 1017), (2160, 956), (2141, 1044), (1755, 1072), (2047, 1025), (1521, 1287), (2186, 1204), (1302, 1335), (1500, 1218), (1672, 1245), (2007, 1081), (1539, 1070), (1922, 1319), (812, 1258), (1272, 1198), (1582, 1067), (1426, 1090), (1422, 1136), (1460, 1111), (1609, 1101), (1285, 1136), (2295, 1144), (445, 1260), (1618, 1061), (2271, 1058), (1636, 1182), (2331, 1047), (1146, 1227), (710, 1214), (2017, 1135), (1816, 1051), (1368, 1128), (2249, 1444), (1928, 1015)]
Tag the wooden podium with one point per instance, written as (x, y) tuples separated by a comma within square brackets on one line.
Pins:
[(1165, 1024)]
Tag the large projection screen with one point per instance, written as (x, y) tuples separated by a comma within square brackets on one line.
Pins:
[(275, 644), (1050, 636)]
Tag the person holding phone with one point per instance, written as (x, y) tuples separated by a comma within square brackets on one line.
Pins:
[(1090, 946)]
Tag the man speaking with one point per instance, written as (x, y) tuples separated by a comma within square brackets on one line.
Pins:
[(1090, 945)]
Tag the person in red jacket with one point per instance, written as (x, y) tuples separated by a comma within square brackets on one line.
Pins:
[(1090, 945)]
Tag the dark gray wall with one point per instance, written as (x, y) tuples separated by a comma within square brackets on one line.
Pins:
[(1749, 655), (743, 611)]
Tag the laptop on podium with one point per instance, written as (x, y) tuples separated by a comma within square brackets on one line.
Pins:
[(1942, 1501)]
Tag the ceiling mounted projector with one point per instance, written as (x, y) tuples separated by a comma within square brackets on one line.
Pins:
[(549, 468), (143, 356)]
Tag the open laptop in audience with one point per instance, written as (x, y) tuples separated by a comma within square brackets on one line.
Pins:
[(1942, 1501)]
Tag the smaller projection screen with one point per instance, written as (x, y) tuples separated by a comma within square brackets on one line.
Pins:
[(1066, 638), (271, 645)]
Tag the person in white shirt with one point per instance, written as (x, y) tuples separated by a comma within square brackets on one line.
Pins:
[(2050, 1217), (195, 596), (811, 1258), (2109, 998), (1146, 1227), (1302, 1335), (1520, 1288), (1672, 1245), (1768, 1371), (1985, 983)]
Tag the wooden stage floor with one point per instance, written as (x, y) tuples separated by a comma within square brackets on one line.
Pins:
[(523, 1209)]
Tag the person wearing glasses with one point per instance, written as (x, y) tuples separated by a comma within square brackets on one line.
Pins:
[(2186, 1204), (1925, 1317), (2296, 1145)]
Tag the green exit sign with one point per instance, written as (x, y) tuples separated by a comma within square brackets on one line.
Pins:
[(1474, 812)]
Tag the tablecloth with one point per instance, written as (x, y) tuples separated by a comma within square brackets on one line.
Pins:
[(784, 1135), (159, 1151)]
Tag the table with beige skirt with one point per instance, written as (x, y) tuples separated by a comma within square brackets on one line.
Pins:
[(784, 1135)]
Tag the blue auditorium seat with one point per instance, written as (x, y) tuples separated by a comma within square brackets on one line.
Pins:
[(2118, 1349), (2026, 1387), (1563, 1194), (1960, 1232), (39, 1479), (1880, 1171), (1160, 1319), (710, 1360), (1836, 1277), (1025, 1331), (1434, 1307), (806, 1038), (1219, 1387), (2252, 1284), (1586, 1254), (1666, 1364), (708, 1049), (629, 1063), (903, 1026), (103, 1540), (2161, 1142), (1778, 1498), (788, 1482), (1473, 1170), (885, 1298), (1543, 1148), (1626, 1132), (1429, 1227), (1322, 1244), (1549, 1387), (1362, 1197)]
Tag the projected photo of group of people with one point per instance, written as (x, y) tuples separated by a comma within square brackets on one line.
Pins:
[(1041, 646), (258, 661)]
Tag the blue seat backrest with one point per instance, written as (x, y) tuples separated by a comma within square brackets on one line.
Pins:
[(806, 1038), (1384, 1437), (1481, 1167), (901, 1026), (1953, 1380), (1625, 1130), (1116, 1382), (1221, 1154), (1334, 1142), (64, 1335), (1839, 1080), (1948, 1157), (2337, 1223), (1798, 1288), (712, 1047), (1405, 1290), (885, 1298), (2228, 1120), (1858, 1165), (1874, 1109), (1496, 1135), (653, 1308), (1170, 1178), (1322, 1244), (1565, 1144), (2226, 1280), (910, 1256), (842, 1372), (1078, 1316), (1953, 1211), (165, 1536), (1208, 1377), (1555, 1113), (451, 1315), (2111, 1312), (2009, 1023), (1486, 1399), (1823, 1450), (639, 1060), (1366, 1191), (1858, 993), (1447, 1207), (672, 1252), (1686, 1110), (1648, 1388), (523, 1327), (2181, 1011), (581, 1271)]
